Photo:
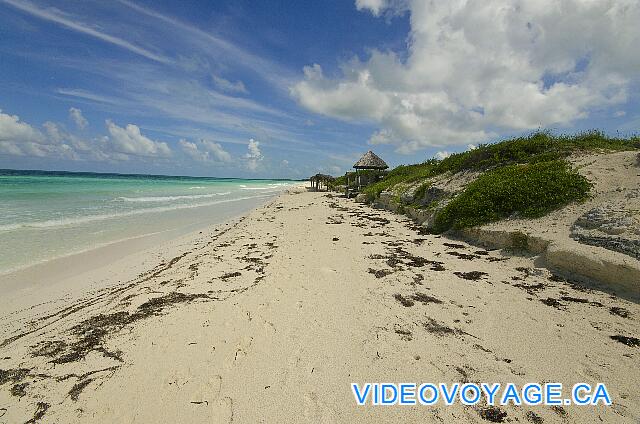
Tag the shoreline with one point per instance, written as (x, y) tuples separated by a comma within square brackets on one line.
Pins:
[(65, 276), (271, 316)]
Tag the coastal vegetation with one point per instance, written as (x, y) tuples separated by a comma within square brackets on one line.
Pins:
[(525, 176), (530, 190)]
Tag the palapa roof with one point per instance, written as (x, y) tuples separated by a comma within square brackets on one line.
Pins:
[(322, 177), (370, 161)]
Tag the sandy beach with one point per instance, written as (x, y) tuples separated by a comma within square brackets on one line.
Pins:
[(271, 316)]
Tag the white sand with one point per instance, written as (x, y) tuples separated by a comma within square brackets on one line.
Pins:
[(283, 340)]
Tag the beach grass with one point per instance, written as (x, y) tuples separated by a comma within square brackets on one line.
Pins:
[(540, 146)]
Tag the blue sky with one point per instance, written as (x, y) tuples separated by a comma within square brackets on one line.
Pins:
[(288, 89)]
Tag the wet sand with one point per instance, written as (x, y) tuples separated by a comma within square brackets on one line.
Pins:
[(271, 317)]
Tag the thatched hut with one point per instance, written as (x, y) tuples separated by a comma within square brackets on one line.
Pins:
[(370, 168), (320, 181)]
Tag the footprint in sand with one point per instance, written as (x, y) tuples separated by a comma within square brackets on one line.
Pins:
[(222, 411), (316, 411), (241, 350), (209, 397)]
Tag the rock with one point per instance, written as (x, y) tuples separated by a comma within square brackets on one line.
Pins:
[(407, 196), (433, 194), (609, 228), (616, 271)]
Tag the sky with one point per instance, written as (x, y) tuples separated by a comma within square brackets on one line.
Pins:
[(287, 89)]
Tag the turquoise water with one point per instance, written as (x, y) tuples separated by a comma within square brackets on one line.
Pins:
[(45, 215)]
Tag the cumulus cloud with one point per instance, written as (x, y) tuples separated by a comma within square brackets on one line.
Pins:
[(375, 6), (14, 130), (254, 155), (129, 140), (18, 138), (475, 68), (206, 151), (442, 155), (76, 116), (228, 86), (53, 140)]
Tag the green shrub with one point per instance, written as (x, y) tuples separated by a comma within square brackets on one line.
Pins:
[(418, 195), (534, 148), (531, 190), (537, 147)]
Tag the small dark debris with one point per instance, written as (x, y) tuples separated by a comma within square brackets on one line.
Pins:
[(455, 245), (379, 273), (464, 256), (492, 414), (621, 312), (403, 300), (335, 239), (405, 335), (49, 348), (230, 275), (41, 409), (471, 275), (393, 262), (530, 288), (625, 340), (482, 348), (492, 259), (13, 375), (559, 410), (437, 328), (77, 388), (550, 301), (437, 266), (534, 418), (377, 256), (18, 390), (574, 299), (424, 299)]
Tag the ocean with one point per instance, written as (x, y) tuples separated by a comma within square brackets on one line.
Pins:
[(46, 215)]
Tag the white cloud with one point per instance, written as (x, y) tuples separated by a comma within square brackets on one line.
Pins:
[(53, 15), (228, 86), (442, 155), (619, 113), (254, 155), (15, 131), (476, 68), (129, 140), (76, 116), (205, 152), (18, 138), (375, 6)]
